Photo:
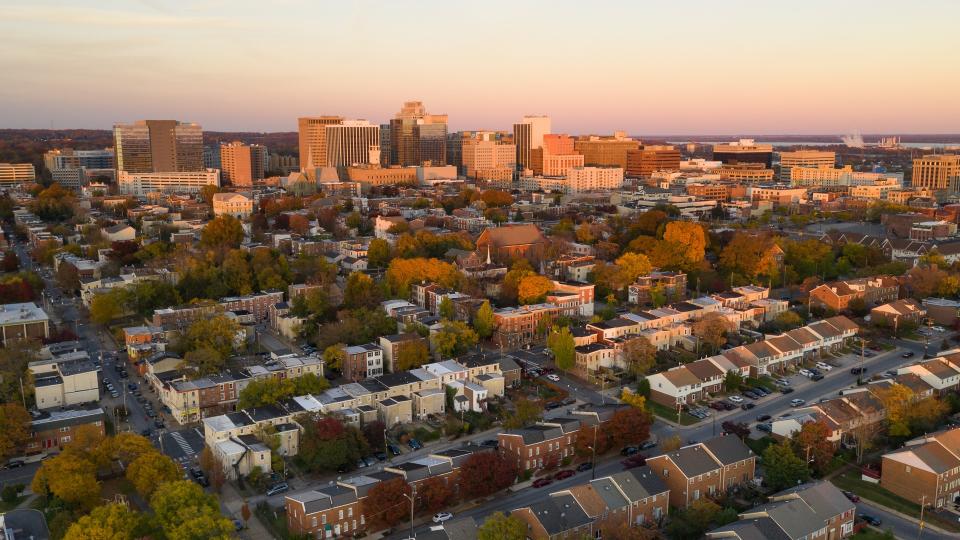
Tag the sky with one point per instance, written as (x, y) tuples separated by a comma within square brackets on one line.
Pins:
[(659, 67)]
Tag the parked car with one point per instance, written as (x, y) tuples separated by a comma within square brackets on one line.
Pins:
[(858, 370), (761, 391), (875, 521), (14, 463), (817, 377), (199, 477), (806, 372), (569, 401), (796, 402), (554, 377), (631, 462), (541, 482), (629, 451), (493, 443), (824, 366), (748, 406), (786, 390), (277, 489), (716, 405), (158, 423), (735, 399), (763, 418), (648, 445), (414, 444), (908, 354), (552, 405), (442, 516), (750, 394), (767, 427), (394, 449), (729, 406), (854, 498), (585, 466), (114, 394), (564, 474), (781, 382)]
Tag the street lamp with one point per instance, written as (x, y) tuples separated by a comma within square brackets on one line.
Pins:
[(411, 498)]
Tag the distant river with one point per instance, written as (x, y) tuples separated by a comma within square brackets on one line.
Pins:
[(838, 141)]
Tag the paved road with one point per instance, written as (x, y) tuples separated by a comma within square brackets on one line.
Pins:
[(20, 475), (900, 527)]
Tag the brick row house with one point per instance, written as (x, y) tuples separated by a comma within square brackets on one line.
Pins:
[(704, 469), (541, 445), (813, 511), (925, 469), (51, 431), (837, 295)]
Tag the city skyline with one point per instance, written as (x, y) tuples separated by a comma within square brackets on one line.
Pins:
[(703, 68)]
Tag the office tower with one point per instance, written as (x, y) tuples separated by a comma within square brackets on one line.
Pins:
[(937, 172), (417, 137), (158, 146), (211, 157), (242, 164), (606, 151), (810, 159), (386, 145), (68, 158), (528, 135), (352, 142), (646, 160), (455, 149), (140, 184), (555, 157), (313, 140), (283, 164), (15, 173), (485, 158), (744, 151)]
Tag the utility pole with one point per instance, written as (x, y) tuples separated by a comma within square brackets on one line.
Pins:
[(923, 501), (23, 396), (593, 462)]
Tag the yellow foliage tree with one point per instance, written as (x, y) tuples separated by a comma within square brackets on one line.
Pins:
[(689, 236), (897, 400), (402, 272), (149, 471), (70, 477), (533, 289), (634, 400)]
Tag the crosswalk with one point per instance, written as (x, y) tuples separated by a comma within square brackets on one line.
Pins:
[(182, 443)]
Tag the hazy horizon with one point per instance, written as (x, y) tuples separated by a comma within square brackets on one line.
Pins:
[(703, 68)]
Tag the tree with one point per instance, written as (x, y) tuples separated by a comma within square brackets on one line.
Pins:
[(106, 306), (712, 330), (896, 399), (592, 439), (925, 415), (328, 444), (149, 471), (402, 272), (732, 381), (360, 291), (207, 192), (184, 512), (633, 265), (630, 426), (813, 442), (483, 320), (563, 347), (69, 477), (222, 232), (526, 412), (865, 435), (205, 360), (334, 356), (435, 494), (11, 263), (378, 253), (496, 198), (309, 383), (782, 467), (446, 309), (671, 443), (412, 355), (500, 526), (635, 400), (213, 467), (217, 333), (374, 433), (485, 473), (385, 505), (639, 355), (14, 428), (788, 320), (533, 289), (691, 523), (269, 391), (15, 358), (690, 237), (108, 522), (453, 338)]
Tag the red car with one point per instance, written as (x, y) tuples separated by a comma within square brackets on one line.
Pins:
[(566, 473), (539, 483), (637, 460)]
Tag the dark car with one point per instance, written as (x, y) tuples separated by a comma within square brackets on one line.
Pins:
[(750, 394), (414, 444), (648, 445), (765, 427), (380, 456), (875, 521), (908, 354), (629, 451), (14, 463), (132, 386), (199, 477), (585, 466), (716, 405), (748, 406), (564, 474), (569, 401), (763, 418), (816, 377), (394, 449), (492, 443), (854, 498), (729, 406), (541, 482), (858, 370), (552, 405), (638, 460), (158, 423), (786, 390)]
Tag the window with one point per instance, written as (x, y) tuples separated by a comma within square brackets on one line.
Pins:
[(323, 519), (341, 515), (313, 521), (350, 514), (907, 468)]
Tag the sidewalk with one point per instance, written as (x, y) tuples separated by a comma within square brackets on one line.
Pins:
[(231, 503)]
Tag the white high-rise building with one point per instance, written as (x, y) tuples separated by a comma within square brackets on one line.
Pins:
[(352, 142), (139, 184)]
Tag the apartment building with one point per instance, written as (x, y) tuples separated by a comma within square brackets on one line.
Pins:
[(51, 431), (663, 285), (704, 469), (606, 151), (140, 184), (544, 444), (644, 161), (242, 164), (257, 304), (313, 140), (925, 469), (581, 179), (393, 344), (66, 379), (487, 158), (812, 511), (810, 159), (519, 325), (191, 400), (937, 173), (837, 295), (898, 312), (158, 146)]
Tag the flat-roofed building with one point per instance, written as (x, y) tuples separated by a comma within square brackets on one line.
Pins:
[(937, 172), (744, 151), (51, 431), (313, 140), (647, 159), (352, 142), (147, 146), (23, 321), (810, 159), (528, 134), (140, 184), (581, 179), (16, 173), (242, 164), (486, 157), (606, 151)]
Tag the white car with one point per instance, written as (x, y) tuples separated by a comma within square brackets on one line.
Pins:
[(442, 516), (824, 366), (939, 329), (735, 399), (782, 382), (554, 378), (806, 373), (796, 402)]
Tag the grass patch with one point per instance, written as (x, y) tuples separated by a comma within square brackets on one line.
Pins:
[(764, 381), (670, 414), (275, 522), (851, 481), (759, 445), (4, 507)]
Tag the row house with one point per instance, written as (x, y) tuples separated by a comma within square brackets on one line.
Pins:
[(51, 431), (195, 399), (392, 346), (257, 304), (704, 469), (899, 312), (524, 324), (143, 341), (576, 297), (234, 438), (362, 361), (837, 295), (843, 416), (670, 286), (288, 366), (541, 445), (813, 511), (570, 267), (925, 469), (941, 373)]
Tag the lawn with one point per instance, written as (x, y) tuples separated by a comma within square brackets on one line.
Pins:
[(4, 507), (671, 414), (851, 481), (759, 445), (764, 381)]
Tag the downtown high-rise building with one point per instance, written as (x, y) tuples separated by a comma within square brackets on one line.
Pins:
[(313, 140), (606, 151), (528, 135), (417, 137), (938, 172), (158, 146), (352, 142), (242, 164)]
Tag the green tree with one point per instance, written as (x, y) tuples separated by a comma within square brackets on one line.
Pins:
[(222, 232), (205, 360), (453, 338), (309, 383), (412, 355), (782, 467), (218, 333), (269, 391), (500, 526), (113, 521), (184, 512), (334, 356), (69, 477), (378, 253), (525, 413), (732, 381), (106, 306), (446, 309), (483, 322), (562, 346), (360, 291)]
